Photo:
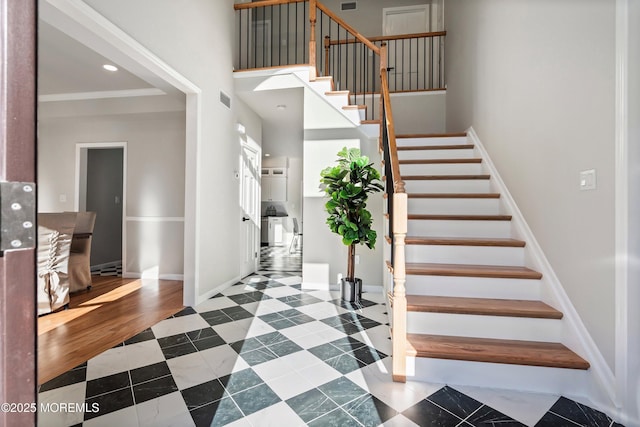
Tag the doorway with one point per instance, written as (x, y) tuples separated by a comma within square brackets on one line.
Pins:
[(100, 187), (250, 207)]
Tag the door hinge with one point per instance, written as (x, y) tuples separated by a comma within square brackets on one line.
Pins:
[(17, 215)]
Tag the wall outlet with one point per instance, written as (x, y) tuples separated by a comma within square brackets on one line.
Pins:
[(63, 198), (357, 259)]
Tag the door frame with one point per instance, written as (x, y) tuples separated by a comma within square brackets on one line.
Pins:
[(18, 357), (249, 144), (81, 183)]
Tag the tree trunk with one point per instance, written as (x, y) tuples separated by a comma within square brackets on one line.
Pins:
[(351, 263)]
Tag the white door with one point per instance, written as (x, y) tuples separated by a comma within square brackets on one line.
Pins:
[(250, 208), (406, 58)]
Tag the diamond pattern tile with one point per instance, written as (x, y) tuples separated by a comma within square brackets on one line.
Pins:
[(264, 349)]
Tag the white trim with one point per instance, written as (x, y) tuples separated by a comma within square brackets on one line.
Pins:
[(155, 218), (80, 21), (131, 275), (576, 335), (81, 96), (622, 302), (79, 158), (202, 298)]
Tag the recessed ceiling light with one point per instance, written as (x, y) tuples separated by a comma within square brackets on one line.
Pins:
[(110, 67), (267, 154), (281, 107)]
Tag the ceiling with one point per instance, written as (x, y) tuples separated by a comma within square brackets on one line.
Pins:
[(67, 66)]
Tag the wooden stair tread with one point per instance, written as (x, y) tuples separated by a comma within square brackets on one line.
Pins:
[(482, 306), (370, 122), (467, 270), (432, 135), (530, 353), (460, 217), (438, 161), (443, 177), (454, 195), (337, 92), (435, 147), (354, 107), (465, 241)]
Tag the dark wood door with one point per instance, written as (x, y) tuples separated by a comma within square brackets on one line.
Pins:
[(17, 163)]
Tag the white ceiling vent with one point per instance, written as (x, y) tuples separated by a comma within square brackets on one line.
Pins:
[(348, 5), (225, 99)]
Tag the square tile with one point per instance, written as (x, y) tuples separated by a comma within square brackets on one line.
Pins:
[(426, 413), (109, 402), (218, 413), (145, 335), (73, 376), (455, 402), (149, 372), (72, 393), (344, 363), (240, 381), (203, 394), (277, 415), (290, 385), (311, 405), (116, 418), (167, 410), (259, 355), (213, 304), (107, 363), (143, 353), (284, 348), (337, 417), (190, 370), (369, 410), (154, 388), (342, 390), (255, 399), (108, 384), (177, 325), (179, 350), (486, 415), (223, 360), (579, 413)]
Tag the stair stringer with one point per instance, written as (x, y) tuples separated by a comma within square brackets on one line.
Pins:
[(599, 380)]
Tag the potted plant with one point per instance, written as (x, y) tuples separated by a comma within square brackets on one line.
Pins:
[(348, 184)]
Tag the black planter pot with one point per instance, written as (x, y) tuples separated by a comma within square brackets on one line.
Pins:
[(351, 291)]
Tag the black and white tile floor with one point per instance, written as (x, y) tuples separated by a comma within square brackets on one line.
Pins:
[(112, 270), (278, 258), (266, 353)]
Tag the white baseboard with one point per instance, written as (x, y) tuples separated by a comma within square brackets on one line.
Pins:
[(132, 275), (576, 336), (216, 290)]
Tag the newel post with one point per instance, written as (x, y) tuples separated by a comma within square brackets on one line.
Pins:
[(399, 314), (313, 72)]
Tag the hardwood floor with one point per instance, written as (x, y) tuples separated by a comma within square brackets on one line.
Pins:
[(114, 310)]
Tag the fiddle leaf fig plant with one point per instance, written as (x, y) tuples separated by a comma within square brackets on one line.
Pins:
[(348, 185)]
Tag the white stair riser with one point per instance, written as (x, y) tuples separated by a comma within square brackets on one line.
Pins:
[(416, 142), (448, 186), (337, 101), (436, 154), (476, 255), (498, 327), (454, 206), (573, 382), (321, 86), (473, 287), (454, 228), (442, 169), (362, 113), (353, 115)]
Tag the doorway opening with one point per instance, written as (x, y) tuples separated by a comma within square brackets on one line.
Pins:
[(101, 188)]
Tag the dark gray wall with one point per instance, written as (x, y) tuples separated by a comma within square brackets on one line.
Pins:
[(104, 196)]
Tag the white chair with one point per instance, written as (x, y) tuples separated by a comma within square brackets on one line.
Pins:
[(54, 245), (297, 236)]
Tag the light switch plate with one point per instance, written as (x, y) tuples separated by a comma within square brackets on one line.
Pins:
[(588, 179)]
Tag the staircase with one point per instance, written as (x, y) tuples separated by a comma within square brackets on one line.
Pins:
[(474, 310)]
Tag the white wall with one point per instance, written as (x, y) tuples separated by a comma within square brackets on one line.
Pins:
[(536, 80), (155, 177), (321, 246), (196, 39), (631, 396)]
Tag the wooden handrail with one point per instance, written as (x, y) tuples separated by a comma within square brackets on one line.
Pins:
[(264, 3), (349, 28), (388, 38), (398, 184)]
